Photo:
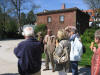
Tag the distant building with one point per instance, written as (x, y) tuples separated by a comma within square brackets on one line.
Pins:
[(58, 19), (91, 14), (94, 17)]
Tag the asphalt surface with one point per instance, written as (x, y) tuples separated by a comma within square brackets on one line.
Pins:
[(8, 61)]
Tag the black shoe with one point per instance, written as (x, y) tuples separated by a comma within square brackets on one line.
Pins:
[(45, 69), (53, 70)]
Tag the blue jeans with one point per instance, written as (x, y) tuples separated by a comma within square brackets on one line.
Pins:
[(74, 67)]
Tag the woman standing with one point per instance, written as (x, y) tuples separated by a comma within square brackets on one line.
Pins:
[(63, 42), (95, 67)]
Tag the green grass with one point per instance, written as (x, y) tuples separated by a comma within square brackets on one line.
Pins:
[(43, 55)]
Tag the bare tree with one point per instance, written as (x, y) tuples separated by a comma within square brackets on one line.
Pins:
[(18, 6), (93, 4), (4, 4)]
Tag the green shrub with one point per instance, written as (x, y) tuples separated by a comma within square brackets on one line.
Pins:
[(88, 35), (41, 28), (87, 38), (11, 27), (43, 55), (86, 57)]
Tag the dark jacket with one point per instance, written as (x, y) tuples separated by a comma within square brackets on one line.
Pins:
[(29, 55)]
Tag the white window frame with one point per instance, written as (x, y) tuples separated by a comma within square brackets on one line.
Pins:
[(49, 19), (61, 18)]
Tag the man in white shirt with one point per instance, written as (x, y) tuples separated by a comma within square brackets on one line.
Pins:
[(76, 51)]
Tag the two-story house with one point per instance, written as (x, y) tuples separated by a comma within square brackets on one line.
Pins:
[(58, 19)]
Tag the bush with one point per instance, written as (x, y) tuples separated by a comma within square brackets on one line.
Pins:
[(11, 29), (41, 28), (87, 38), (86, 57), (88, 35)]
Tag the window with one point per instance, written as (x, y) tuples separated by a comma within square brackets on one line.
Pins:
[(62, 18), (90, 13), (49, 19)]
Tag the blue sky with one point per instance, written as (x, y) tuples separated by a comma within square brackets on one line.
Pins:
[(56, 4)]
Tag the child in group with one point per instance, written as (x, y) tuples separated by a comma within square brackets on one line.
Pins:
[(95, 67)]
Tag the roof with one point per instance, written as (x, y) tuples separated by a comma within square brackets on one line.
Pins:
[(58, 11)]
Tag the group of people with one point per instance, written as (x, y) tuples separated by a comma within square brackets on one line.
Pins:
[(69, 38), (29, 52)]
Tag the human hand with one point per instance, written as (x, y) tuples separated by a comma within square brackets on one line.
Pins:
[(57, 43), (92, 45), (94, 49)]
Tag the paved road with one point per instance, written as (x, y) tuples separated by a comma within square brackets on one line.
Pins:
[(82, 71), (8, 62), (10, 68)]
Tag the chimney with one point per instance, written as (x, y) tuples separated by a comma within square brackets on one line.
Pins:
[(63, 6), (45, 10)]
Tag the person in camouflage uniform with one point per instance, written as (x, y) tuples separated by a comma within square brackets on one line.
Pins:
[(49, 46)]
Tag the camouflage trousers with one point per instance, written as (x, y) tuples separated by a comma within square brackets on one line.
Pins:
[(49, 58)]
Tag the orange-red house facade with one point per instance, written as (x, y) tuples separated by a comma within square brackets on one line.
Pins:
[(58, 19), (94, 16), (91, 12)]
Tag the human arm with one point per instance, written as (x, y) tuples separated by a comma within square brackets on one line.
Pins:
[(62, 45), (59, 48), (18, 51), (57, 43), (97, 66), (45, 39), (92, 47)]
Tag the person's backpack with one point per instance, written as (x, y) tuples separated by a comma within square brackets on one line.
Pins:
[(84, 49), (64, 56)]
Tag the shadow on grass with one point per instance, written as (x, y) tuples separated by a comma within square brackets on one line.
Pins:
[(85, 71), (10, 74)]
